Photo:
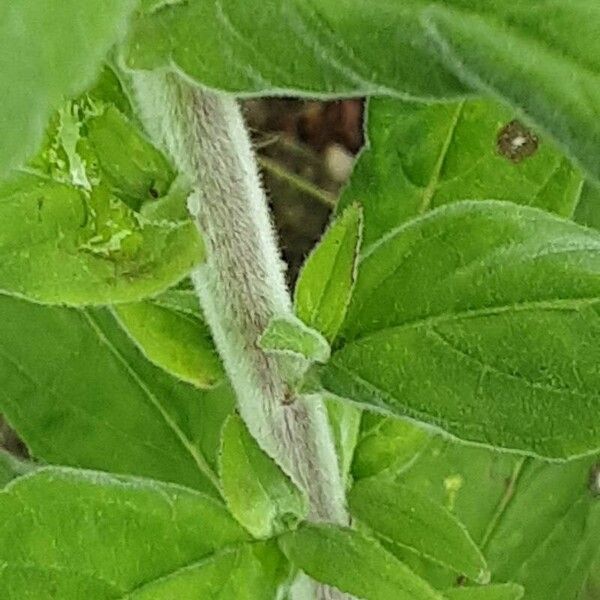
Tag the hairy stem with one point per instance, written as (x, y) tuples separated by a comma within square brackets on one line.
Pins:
[(241, 285)]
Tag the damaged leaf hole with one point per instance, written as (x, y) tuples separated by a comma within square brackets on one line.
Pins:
[(516, 142)]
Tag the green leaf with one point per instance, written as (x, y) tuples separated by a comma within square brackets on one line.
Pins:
[(289, 335), (541, 57), (49, 52), (171, 332), (353, 563), (386, 444), (505, 591), (588, 210), (122, 538), (325, 284), (258, 493), (421, 156), (11, 467), (550, 550), (400, 516), (131, 165), (60, 244), (550, 71), (344, 420), (80, 393), (480, 319)]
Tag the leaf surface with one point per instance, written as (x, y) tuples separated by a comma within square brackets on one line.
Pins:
[(258, 493), (49, 51), (353, 563), (82, 531), (506, 591), (421, 156), (325, 284), (80, 393), (401, 516), (480, 319)]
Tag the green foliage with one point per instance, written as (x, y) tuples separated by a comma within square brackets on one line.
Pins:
[(258, 493), (324, 287), (506, 591), (171, 332), (421, 156), (401, 516), (49, 51), (548, 68), (353, 563), (81, 394), (489, 329), (288, 335)]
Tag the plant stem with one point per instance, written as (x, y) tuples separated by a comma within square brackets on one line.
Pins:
[(241, 285)]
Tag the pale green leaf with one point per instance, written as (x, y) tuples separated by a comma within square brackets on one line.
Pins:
[(81, 531), (289, 335), (542, 56), (258, 493), (421, 156), (386, 444), (505, 591), (61, 244), (325, 285), (398, 515), (353, 563), (480, 319), (344, 420), (174, 336), (49, 51), (80, 393)]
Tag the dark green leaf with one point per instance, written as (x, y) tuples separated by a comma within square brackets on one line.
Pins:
[(258, 493), (324, 288), (481, 319), (353, 563), (401, 516), (421, 156), (80, 393)]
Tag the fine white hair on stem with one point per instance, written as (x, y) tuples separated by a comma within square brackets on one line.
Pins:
[(241, 286)]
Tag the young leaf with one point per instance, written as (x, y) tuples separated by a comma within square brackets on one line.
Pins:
[(291, 336), (400, 516), (80, 393), (326, 281), (503, 591), (421, 156), (386, 444), (539, 56), (353, 563), (59, 245), (344, 420), (481, 319), (258, 493), (49, 51), (84, 531), (174, 336)]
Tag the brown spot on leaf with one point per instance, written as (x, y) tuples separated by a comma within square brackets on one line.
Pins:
[(516, 142)]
